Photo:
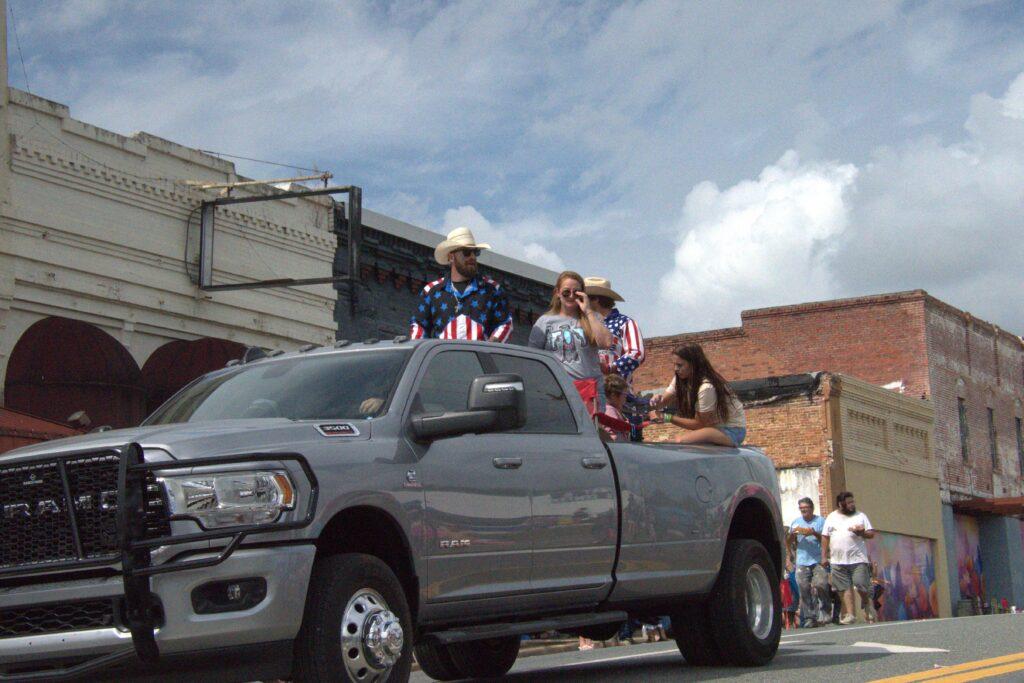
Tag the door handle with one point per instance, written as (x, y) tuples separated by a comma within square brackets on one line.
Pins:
[(593, 463), (508, 463)]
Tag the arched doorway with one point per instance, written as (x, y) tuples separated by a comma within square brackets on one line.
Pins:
[(60, 366), (177, 363)]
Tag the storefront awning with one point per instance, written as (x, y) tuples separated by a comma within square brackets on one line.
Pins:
[(1008, 507)]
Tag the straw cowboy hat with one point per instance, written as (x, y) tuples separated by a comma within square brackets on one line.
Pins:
[(599, 286), (459, 238)]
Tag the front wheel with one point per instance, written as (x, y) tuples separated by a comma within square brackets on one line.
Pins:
[(746, 605), (355, 624)]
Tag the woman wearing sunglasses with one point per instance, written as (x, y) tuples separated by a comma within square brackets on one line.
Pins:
[(574, 331)]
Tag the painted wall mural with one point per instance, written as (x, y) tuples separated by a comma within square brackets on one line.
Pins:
[(968, 558), (904, 569)]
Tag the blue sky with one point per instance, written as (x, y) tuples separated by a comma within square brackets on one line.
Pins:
[(707, 157)]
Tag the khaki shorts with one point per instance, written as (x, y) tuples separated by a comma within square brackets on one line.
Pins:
[(859, 575)]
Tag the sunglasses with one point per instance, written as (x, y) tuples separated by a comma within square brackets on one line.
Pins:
[(466, 253), (566, 293)]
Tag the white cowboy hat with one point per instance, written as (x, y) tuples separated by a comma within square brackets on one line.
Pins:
[(599, 286), (459, 238)]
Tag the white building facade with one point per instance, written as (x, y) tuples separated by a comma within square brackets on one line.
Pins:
[(98, 255)]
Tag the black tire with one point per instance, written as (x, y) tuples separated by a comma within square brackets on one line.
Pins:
[(488, 658), (694, 637), (436, 661), (336, 580), (737, 641)]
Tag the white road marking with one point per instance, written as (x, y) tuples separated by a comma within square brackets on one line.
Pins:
[(843, 629), (792, 639), (898, 649), (633, 656)]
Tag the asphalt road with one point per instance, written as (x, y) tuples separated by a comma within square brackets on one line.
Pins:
[(994, 645)]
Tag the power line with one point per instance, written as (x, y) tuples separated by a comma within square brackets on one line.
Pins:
[(28, 88), (259, 161), (17, 42)]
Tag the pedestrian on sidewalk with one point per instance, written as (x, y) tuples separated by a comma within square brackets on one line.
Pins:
[(709, 411), (463, 305), (790, 600), (843, 546), (803, 544), (574, 331)]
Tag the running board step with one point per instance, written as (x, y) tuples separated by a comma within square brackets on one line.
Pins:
[(515, 628)]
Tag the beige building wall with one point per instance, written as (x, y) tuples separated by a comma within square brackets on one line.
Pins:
[(885, 442), (103, 228)]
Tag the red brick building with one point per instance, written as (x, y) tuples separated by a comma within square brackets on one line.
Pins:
[(909, 340), (972, 371)]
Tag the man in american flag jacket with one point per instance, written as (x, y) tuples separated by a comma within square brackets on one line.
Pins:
[(463, 305), (627, 352)]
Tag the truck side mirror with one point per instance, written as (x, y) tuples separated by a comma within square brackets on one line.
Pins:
[(496, 403), (505, 394)]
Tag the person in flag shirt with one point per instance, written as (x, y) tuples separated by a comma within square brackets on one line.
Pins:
[(627, 350), (463, 305)]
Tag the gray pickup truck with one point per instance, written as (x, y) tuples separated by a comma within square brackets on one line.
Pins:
[(326, 514)]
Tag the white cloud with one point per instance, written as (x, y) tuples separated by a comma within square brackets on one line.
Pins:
[(508, 239), (583, 151), (943, 217), (760, 242)]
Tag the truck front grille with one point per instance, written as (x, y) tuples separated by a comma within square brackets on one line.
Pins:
[(65, 511), (61, 617)]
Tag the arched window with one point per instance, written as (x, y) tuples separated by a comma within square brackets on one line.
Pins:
[(60, 366)]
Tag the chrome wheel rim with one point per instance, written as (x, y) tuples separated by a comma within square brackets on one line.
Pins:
[(371, 637), (760, 602)]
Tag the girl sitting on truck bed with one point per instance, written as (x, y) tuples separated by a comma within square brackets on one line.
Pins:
[(708, 411)]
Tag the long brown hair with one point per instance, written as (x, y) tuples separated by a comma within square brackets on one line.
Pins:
[(700, 371), (556, 304)]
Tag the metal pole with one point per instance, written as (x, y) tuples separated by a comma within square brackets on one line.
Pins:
[(355, 240), (206, 245)]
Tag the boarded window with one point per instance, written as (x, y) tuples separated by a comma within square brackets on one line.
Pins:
[(1020, 447), (961, 405), (992, 449)]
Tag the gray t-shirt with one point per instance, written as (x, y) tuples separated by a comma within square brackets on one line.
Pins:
[(563, 336)]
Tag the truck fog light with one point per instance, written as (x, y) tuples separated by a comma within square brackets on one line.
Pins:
[(233, 595)]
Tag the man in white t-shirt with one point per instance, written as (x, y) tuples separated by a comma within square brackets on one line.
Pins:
[(843, 546)]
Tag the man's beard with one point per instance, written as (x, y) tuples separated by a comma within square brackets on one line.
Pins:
[(849, 510), (467, 270)]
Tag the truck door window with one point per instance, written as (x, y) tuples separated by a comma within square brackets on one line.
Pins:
[(445, 385), (547, 409)]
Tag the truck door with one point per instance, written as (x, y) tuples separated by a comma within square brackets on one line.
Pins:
[(575, 522), (477, 495)]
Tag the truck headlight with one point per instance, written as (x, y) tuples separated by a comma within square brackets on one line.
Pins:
[(230, 498)]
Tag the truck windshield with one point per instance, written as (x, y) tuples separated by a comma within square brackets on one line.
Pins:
[(352, 385)]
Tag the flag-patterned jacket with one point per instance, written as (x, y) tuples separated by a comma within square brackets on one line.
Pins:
[(627, 351), (481, 312)]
